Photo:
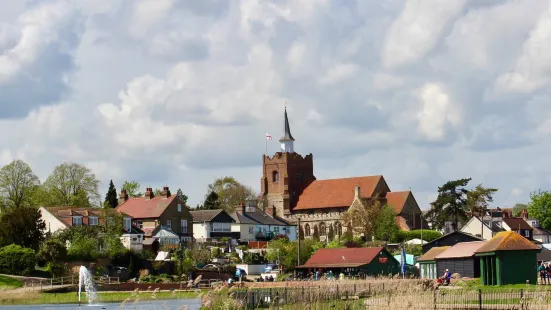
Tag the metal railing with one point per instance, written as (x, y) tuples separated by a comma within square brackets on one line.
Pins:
[(68, 281)]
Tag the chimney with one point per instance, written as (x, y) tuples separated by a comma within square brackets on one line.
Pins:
[(166, 192), (149, 193), (357, 192), (524, 214), (123, 197), (243, 208)]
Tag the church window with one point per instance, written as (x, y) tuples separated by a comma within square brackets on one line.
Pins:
[(275, 176), (307, 230), (323, 231), (338, 228)]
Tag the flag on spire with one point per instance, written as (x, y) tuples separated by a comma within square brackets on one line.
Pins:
[(268, 136)]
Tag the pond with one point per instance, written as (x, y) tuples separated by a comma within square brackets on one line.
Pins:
[(166, 304)]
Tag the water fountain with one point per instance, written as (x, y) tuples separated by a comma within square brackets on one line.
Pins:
[(85, 278)]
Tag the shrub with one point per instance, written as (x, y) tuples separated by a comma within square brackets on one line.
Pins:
[(428, 235), (17, 260), (51, 251)]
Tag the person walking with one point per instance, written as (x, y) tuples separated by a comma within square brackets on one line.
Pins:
[(543, 272)]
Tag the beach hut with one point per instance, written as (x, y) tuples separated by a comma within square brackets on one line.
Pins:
[(450, 239), (461, 259), (427, 264), (508, 258)]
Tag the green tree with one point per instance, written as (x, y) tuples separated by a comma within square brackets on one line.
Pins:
[(52, 251), (183, 197), (71, 184), (111, 199), (230, 192), (132, 188), (288, 251), (211, 202), (111, 232), (362, 217), (478, 201), (539, 208), (451, 203), (18, 184), (22, 226), (518, 207), (386, 228)]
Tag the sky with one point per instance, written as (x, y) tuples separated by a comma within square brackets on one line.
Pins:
[(180, 92)]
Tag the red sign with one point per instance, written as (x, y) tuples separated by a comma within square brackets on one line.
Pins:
[(383, 260)]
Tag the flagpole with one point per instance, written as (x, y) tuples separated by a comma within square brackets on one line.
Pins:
[(266, 145)]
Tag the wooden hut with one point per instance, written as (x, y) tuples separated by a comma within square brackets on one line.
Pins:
[(427, 264), (508, 258), (461, 259), (450, 239)]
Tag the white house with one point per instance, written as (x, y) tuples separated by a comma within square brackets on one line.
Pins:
[(475, 227), (257, 225), (212, 225)]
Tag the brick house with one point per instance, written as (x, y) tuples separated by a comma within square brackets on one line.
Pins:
[(150, 213), (289, 186)]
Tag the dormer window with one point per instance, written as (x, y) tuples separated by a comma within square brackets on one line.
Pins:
[(127, 223), (77, 220), (275, 176)]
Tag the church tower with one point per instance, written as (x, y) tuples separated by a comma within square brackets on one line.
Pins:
[(285, 175)]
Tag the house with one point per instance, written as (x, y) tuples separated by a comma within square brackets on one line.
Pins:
[(257, 225), (289, 186), (427, 263), (353, 261), (508, 258), (150, 213), (539, 233), (212, 224), (59, 218), (519, 225), (447, 228), (460, 258), (485, 230), (450, 239)]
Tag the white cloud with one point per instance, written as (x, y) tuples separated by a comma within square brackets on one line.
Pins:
[(338, 73), (437, 112)]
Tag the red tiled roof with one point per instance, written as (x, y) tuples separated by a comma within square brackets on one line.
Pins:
[(397, 200), (140, 207), (334, 193), (517, 223), (346, 257)]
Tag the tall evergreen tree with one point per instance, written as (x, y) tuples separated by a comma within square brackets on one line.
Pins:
[(451, 203), (111, 199), (212, 202)]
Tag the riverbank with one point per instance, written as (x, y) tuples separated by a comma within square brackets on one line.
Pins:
[(32, 298)]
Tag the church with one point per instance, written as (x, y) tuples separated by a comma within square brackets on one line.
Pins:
[(290, 190)]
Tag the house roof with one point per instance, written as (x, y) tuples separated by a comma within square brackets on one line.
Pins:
[(474, 238), (140, 207), (257, 216), (507, 241), (345, 257), (241, 219), (541, 231), (200, 216), (397, 200), (432, 253), (401, 222), (517, 223), (66, 213), (335, 193), (463, 249)]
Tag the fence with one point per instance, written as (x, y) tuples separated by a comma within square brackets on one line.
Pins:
[(66, 281), (381, 296)]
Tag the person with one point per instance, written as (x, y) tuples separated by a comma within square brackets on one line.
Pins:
[(548, 272), (447, 277), (230, 282), (543, 273), (330, 275), (341, 276)]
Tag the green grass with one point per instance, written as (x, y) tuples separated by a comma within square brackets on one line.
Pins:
[(7, 283), (72, 297), (474, 284)]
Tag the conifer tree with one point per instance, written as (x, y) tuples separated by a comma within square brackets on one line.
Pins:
[(111, 199)]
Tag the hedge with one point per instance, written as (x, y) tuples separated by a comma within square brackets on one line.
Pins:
[(428, 235), (17, 260)]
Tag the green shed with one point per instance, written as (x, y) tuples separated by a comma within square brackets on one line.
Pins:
[(508, 258), (427, 263), (354, 261)]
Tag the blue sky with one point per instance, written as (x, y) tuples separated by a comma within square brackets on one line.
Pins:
[(177, 93)]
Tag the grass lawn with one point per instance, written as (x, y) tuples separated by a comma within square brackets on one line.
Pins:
[(474, 284), (72, 297), (7, 283)]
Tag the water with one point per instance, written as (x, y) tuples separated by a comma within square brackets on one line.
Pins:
[(168, 304), (85, 277)]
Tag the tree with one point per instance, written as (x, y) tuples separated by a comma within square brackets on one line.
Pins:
[(539, 207), (362, 217), (386, 228), (211, 202), (22, 226), (288, 251), (518, 208), (18, 183), (230, 192), (111, 199), (450, 203), (183, 197), (132, 188), (52, 251), (478, 200), (71, 184)]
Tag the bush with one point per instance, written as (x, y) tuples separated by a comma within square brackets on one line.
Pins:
[(17, 260), (51, 251), (428, 235)]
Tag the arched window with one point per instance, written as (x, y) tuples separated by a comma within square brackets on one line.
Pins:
[(307, 230), (338, 228), (323, 231), (275, 176)]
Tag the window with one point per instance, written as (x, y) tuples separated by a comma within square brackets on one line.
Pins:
[(251, 230), (275, 176), (169, 224), (93, 220), (221, 227), (140, 223), (276, 229), (179, 207), (127, 223), (307, 230), (183, 226), (527, 233), (77, 220)]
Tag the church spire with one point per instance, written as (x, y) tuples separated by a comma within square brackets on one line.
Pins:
[(287, 139)]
